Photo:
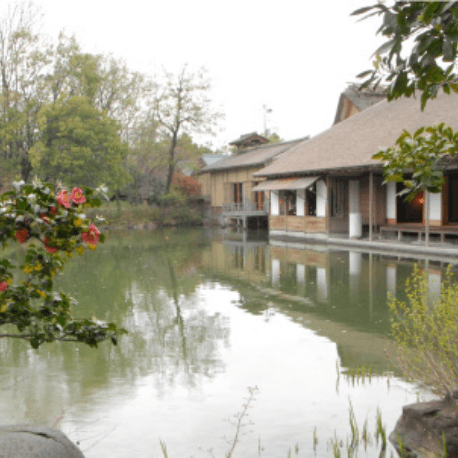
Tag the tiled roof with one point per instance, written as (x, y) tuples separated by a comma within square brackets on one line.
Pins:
[(259, 155), (352, 142)]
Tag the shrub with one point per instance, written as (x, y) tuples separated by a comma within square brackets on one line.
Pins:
[(425, 333)]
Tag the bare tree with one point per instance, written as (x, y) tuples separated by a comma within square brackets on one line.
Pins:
[(182, 105)]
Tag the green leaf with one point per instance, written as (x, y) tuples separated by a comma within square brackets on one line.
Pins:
[(363, 10), (385, 47), (454, 87), (448, 51)]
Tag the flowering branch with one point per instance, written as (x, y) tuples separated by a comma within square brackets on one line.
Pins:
[(33, 211)]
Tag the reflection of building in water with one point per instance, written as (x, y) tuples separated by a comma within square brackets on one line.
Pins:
[(434, 276), (355, 264), (340, 294)]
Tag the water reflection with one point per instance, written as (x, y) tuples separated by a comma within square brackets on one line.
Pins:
[(154, 295), (210, 313), (340, 293)]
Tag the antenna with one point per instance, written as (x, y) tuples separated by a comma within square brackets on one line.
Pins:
[(266, 111)]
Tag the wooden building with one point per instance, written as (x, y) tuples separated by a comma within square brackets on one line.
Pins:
[(228, 183), (330, 184)]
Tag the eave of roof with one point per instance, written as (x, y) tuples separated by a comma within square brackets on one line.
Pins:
[(353, 142), (252, 157)]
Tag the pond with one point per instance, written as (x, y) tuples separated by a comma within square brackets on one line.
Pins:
[(210, 315)]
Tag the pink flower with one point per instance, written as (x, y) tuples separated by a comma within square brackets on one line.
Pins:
[(77, 196), (22, 235), (49, 249), (91, 236), (63, 199), (3, 286)]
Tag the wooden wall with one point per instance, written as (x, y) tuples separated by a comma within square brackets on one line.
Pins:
[(297, 223), (216, 183), (338, 224), (379, 202)]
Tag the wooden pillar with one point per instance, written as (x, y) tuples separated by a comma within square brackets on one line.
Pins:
[(426, 197), (328, 205), (371, 203)]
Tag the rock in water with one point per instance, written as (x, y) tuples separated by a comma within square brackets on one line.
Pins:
[(422, 425), (25, 441)]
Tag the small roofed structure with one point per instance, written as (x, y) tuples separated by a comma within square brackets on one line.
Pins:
[(249, 141), (354, 100)]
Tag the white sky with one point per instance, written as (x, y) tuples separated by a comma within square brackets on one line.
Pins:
[(295, 56)]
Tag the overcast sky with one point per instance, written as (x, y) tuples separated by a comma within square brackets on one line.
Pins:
[(294, 56)]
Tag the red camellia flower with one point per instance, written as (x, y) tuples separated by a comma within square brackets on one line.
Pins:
[(53, 210), (63, 199), (49, 249), (91, 236), (45, 218), (22, 235), (77, 196), (3, 286)]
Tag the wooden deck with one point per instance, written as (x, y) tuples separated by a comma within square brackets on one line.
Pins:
[(420, 230)]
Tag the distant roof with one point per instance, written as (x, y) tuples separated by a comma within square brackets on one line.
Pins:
[(259, 155), (361, 99), (352, 142), (210, 159), (251, 139)]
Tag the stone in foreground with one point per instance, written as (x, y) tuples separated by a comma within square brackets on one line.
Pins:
[(421, 427), (25, 441)]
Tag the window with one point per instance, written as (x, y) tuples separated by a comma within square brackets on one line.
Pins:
[(310, 200), (259, 198), (238, 193), (287, 201), (339, 198)]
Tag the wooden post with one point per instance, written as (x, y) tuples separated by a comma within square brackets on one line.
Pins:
[(371, 285), (426, 196), (328, 205), (371, 203)]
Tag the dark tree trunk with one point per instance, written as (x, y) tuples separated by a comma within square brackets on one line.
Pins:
[(171, 167)]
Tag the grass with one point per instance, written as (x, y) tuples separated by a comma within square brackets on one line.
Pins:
[(336, 447), (126, 215)]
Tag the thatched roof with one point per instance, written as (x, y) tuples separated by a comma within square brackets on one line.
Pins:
[(352, 142)]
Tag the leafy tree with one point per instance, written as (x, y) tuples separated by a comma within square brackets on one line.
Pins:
[(31, 214), (432, 28), (275, 138), (24, 61), (182, 105), (431, 65), (107, 82), (79, 145)]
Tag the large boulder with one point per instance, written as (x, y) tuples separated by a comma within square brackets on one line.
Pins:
[(24, 441), (422, 425)]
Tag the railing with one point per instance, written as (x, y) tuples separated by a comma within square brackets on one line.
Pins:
[(244, 207)]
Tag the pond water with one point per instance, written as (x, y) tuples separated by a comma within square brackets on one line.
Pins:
[(209, 315)]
